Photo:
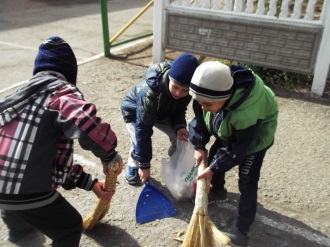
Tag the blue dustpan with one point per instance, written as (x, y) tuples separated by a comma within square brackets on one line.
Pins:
[(152, 205)]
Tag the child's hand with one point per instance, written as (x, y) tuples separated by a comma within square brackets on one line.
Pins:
[(200, 157), (182, 135), (118, 171), (100, 193), (207, 174), (120, 168), (144, 174)]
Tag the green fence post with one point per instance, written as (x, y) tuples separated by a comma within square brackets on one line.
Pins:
[(105, 27)]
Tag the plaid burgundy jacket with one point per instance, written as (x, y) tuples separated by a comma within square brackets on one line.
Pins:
[(38, 123)]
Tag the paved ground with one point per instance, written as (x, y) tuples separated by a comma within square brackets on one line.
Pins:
[(24, 24), (294, 194)]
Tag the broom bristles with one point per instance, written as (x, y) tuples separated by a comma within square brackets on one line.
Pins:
[(219, 237), (201, 230), (102, 206), (101, 209)]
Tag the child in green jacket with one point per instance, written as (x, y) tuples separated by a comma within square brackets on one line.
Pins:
[(233, 105)]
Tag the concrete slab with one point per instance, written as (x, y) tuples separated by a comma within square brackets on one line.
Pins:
[(24, 24)]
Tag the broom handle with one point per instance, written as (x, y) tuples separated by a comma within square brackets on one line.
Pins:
[(111, 179), (201, 199)]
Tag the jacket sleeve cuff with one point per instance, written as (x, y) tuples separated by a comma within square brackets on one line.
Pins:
[(179, 126), (86, 181), (199, 147), (144, 165), (222, 165), (114, 157), (214, 167)]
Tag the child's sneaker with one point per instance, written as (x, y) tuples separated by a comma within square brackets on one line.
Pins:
[(237, 238), (132, 175), (217, 196)]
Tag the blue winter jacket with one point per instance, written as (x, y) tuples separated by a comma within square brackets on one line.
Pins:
[(148, 102)]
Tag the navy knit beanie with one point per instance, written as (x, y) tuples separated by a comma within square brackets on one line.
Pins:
[(55, 54), (183, 69)]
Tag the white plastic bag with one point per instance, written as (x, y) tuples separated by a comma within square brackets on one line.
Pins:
[(179, 172)]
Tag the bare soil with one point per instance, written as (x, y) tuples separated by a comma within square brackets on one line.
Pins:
[(294, 196)]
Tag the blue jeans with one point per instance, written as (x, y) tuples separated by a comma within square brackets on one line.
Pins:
[(249, 174)]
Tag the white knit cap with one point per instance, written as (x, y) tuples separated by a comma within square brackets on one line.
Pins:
[(212, 81)]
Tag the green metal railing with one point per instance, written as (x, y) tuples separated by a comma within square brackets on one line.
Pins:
[(107, 44)]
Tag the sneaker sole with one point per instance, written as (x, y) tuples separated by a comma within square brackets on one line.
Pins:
[(132, 182), (213, 202), (218, 201)]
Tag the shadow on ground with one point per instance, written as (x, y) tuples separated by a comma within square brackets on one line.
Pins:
[(118, 236)]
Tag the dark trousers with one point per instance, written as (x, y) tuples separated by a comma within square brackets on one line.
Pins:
[(59, 221), (249, 174)]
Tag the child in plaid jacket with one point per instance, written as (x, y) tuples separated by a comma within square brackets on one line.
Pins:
[(38, 123)]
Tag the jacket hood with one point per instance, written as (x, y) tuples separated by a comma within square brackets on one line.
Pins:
[(157, 76), (13, 104), (245, 85)]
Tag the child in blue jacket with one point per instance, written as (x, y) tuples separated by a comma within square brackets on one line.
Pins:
[(160, 100)]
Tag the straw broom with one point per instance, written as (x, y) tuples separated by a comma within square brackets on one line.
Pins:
[(102, 206), (201, 231)]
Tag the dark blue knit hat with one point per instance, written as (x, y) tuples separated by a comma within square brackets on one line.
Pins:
[(183, 69), (55, 54)]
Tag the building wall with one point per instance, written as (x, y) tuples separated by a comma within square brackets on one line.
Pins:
[(285, 46)]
